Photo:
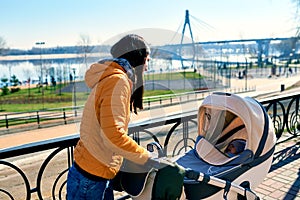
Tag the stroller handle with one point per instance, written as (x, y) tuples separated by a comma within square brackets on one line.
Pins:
[(150, 148), (201, 177)]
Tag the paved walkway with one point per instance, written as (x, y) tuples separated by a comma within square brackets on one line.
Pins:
[(283, 181)]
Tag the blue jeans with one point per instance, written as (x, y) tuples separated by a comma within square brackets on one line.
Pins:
[(80, 187)]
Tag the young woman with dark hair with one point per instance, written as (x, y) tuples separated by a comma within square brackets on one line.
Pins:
[(117, 89)]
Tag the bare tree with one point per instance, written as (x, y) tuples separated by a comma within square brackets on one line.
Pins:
[(28, 75), (85, 47), (59, 76), (297, 17), (2, 45)]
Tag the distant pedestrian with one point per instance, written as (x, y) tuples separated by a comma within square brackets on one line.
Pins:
[(244, 73), (280, 70)]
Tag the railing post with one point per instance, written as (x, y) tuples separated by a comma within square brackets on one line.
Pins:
[(75, 111), (6, 121), (38, 118), (64, 115)]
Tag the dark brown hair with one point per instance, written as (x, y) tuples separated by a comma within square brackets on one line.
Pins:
[(134, 49)]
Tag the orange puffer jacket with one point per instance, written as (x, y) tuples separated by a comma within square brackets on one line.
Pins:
[(103, 130)]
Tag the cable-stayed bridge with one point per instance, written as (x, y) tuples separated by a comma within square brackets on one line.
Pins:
[(259, 51)]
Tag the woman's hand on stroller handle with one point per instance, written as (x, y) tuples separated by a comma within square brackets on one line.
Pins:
[(151, 163), (192, 174), (158, 163)]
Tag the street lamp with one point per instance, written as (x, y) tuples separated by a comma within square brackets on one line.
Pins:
[(246, 74), (74, 92), (41, 79)]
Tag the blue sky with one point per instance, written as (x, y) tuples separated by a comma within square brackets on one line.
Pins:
[(61, 22)]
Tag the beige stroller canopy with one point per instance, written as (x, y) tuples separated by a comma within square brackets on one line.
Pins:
[(223, 112)]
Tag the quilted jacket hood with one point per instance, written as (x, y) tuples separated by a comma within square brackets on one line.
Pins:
[(105, 68)]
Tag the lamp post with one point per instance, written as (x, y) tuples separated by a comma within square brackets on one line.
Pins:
[(41, 79), (246, 74), (74, 92)]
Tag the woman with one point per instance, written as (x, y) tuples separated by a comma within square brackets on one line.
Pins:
[(117, 88)]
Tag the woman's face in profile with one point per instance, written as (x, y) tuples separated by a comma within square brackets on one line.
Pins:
[(147, 59)]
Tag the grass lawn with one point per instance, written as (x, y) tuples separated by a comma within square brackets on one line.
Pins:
[(172, 76), (33, 99)]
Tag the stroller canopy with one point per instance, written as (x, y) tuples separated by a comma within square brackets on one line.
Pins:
[(225, 116)]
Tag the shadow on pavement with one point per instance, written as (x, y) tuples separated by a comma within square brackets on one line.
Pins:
[(283, 158)]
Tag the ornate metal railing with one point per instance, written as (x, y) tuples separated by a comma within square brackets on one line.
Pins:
[(285, 114), (39, 170)]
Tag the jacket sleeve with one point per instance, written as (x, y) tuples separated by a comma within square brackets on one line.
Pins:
[(114, 114)]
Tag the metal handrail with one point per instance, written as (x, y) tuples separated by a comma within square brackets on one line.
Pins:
[(176, 133), (13, 120)]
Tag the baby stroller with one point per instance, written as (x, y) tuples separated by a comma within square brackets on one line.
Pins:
[(211, 173), (223, 118)]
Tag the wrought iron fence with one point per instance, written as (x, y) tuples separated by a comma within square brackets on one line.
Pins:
[(43, 175), (39, 118), (12, 122), (285, 114)]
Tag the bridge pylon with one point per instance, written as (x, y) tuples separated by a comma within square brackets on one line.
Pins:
[(187, 22)]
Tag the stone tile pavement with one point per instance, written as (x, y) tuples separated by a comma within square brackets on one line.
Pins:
[(283, 180)]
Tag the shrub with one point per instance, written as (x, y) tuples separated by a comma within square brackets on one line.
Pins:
[(5, 91), (13, 90)]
